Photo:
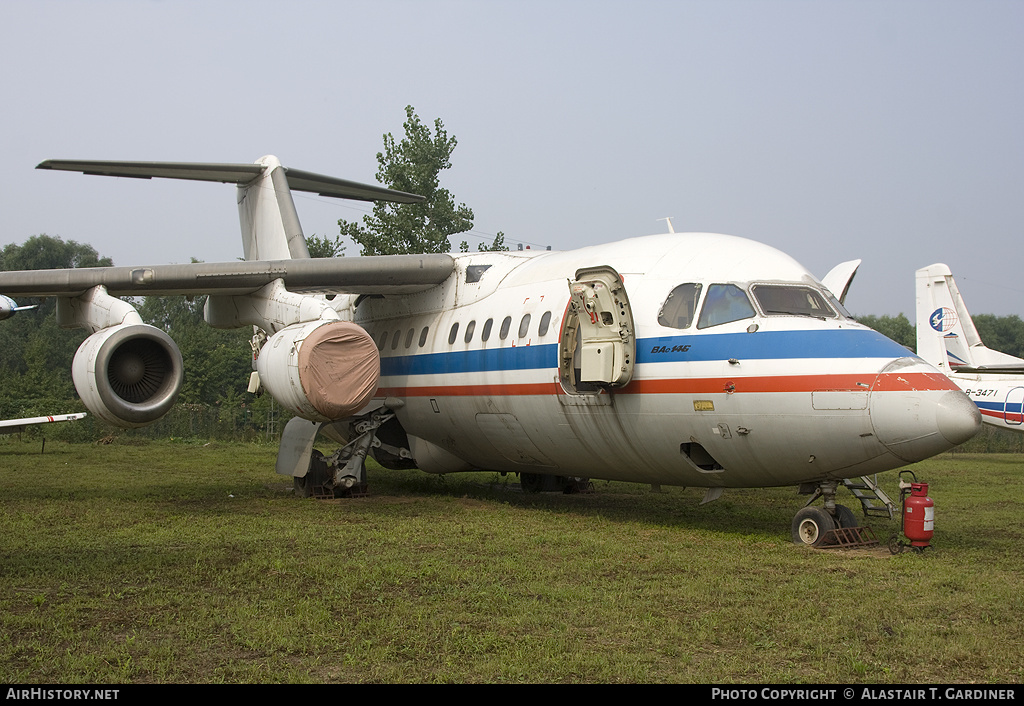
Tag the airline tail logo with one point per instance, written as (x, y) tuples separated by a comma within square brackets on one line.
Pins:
[(942, 319)]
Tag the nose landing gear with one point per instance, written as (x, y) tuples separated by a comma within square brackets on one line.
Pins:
[(829, 526)]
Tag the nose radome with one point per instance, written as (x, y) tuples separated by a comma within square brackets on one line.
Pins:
[(918, 424), (957, 417)]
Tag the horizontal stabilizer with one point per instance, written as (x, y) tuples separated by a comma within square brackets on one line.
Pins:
[(239, 174), (385, 274), (1010, 369)]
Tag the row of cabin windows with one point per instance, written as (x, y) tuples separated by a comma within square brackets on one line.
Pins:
[(453, 334)]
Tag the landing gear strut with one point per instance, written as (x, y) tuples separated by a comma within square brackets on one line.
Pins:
[(343, 473)]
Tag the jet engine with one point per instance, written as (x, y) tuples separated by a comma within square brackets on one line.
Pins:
[(128, 375), (321, 370)]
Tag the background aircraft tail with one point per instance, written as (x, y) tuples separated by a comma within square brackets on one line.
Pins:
[(946, 336)]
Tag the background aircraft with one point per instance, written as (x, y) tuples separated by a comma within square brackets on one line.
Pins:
[(14, 426), (947, 338), (679, 359), (9, 307)]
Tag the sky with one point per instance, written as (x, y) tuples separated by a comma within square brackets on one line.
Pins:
[(890, 131)]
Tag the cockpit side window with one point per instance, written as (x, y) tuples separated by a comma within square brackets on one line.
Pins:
[(680, 307), (792, 300), (724, 303)]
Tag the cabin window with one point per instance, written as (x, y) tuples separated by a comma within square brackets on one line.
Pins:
[(505, 326), (454, 333), (470, 328), (680, 307), (381, 340), (724, 303), (790, 300), (408, 337), (396, 339), (423, 336), (545, 321), (524, 326), (486, 333)]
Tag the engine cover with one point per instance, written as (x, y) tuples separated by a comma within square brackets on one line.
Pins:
[(321, 371), (128, 375)]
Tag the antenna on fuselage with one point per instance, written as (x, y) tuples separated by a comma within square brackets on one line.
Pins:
[(668, 220)]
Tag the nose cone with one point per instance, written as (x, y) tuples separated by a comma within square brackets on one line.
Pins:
[(957, 417), (915, 423)]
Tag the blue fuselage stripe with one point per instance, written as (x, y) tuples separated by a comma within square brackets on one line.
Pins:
[(777, 345)]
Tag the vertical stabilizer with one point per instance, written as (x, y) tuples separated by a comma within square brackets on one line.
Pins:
[(270, 224), (946, 336)]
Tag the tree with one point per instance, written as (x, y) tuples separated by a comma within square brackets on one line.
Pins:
[(413, 166), (45, 252), (320, 246), (898, 328), (497, 245)]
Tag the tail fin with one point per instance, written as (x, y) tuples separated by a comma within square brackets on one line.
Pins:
[(946, 336), (270, 224)]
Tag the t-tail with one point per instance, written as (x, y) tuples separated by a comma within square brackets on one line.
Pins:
[(270, 224), (946, 336)]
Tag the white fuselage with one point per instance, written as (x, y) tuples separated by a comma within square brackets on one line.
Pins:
[(764, 400), (1000, 398)]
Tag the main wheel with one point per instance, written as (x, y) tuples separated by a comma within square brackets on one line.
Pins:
[(315, 476), (810, 526)]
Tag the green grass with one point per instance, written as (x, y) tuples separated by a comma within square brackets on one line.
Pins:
[(178, 562)]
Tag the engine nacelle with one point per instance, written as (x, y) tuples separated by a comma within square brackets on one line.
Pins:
[(322, 370), (128, 375)]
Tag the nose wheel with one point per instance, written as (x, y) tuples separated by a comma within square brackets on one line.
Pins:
[(811, 525), (830, 525)]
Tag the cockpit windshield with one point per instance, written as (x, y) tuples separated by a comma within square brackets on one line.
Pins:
[(680, 307), (792, 300), (724, 303)]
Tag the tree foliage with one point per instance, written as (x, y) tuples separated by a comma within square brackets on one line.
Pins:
[(322, 246), (898, 328), (412, 165)]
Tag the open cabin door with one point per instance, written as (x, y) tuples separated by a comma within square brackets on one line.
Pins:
[(598, 343)]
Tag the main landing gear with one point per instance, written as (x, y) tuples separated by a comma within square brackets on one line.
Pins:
[(343, 473), (812, 525)]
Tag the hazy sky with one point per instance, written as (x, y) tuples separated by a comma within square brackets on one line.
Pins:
[(889, 131)]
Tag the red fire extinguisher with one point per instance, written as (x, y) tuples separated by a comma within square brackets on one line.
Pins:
[(918, 516)]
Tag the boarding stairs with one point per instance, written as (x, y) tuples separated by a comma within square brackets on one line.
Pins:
[(867, 491)]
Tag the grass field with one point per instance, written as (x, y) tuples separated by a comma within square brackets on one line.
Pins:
[(176, 562)]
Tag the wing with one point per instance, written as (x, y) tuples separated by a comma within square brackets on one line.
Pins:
[(386, 274), (13, 426)]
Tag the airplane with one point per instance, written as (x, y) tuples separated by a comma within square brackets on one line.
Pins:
[(9, 307), (947, 338), (16, 426), (696, 359)]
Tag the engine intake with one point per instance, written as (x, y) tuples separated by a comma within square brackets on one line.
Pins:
[(128, 375)]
